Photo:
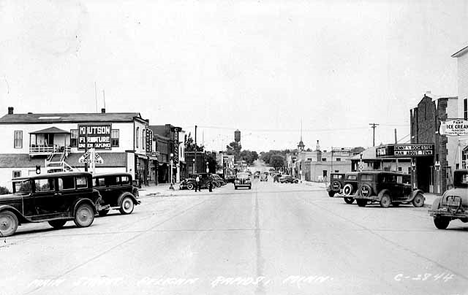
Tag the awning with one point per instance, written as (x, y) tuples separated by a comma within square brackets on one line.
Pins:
[(145, 157), (53, 130)]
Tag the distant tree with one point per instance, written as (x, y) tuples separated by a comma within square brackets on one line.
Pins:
[(190, 145), (248, 156), (234, 148), (277, 161), (357, 150)]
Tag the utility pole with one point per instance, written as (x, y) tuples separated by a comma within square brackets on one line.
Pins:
[(374, 125), (195, 157)]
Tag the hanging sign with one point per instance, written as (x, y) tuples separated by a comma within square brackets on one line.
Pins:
[(455, 127)]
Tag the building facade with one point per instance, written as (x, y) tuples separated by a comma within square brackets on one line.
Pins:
[(63, 141), (462, 65)]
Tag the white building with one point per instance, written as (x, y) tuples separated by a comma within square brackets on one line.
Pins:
[(462, 61), (56, 141)]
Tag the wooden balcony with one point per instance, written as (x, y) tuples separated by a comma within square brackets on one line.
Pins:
[(42, 150)]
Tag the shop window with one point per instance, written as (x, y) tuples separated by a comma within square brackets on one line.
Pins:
[(324, 159), (338, 159), (465, 108), (115, 135), (137, 134), (18, 142), (73, 137), (16, 174)]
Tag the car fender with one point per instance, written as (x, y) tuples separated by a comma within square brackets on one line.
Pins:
[(84, 201), (127, 194), (21, 217), (382, 192), (415, 192), (436, 203)]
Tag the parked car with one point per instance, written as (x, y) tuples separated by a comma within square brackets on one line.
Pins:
[(117, 191), (218, 181), (53, 197), (264, 176), (336, 184), (288, 179), (387, 188), (454, 202), (257, 174), (276, 177), (350, 187), (243, 180), (189, 183)]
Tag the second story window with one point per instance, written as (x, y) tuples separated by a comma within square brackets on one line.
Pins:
[(115, 135), (465, 108), (18, 141), (73, 137), (137, 134)]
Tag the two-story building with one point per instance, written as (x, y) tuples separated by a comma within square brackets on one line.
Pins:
[(39, 143)]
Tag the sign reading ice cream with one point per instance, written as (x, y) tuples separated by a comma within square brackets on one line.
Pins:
[(454, 127), (95, 136)]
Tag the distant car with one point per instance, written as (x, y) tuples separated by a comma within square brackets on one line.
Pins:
[(349, 187), (454, 202), (117, 191), (218, 181), (288, 179), (276, 177), (387, 188), (336, 184), (53, 197), (189, 183), (264, 176), (257, 174), (242, 180)]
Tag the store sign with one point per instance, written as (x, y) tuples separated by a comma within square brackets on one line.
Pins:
[(94, 136), (149, 141), (405, 150), (454, 127)]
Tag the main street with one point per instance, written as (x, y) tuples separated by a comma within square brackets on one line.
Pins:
[(273, 239)]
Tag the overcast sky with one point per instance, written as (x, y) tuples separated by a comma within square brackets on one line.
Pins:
[(262, 67)]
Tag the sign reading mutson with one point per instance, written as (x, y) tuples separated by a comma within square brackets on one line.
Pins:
[(97, 136)]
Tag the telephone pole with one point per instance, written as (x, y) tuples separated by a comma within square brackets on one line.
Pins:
[(374, 125)]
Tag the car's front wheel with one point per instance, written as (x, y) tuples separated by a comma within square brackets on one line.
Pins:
[(349, 200), (190, 186), (385, 201), (84, 216), (418, 200), (8, 223), (127, 206), (57, 223), (441, 222)]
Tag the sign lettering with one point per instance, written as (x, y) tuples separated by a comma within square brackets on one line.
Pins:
[(94, 136)]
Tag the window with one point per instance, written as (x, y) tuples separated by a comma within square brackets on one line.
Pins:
[(143, 139), (137, 136), (65, 183), (465, 108), (81, 182), (324, 159), (16, 174), (98, 182), (18, 139), (115, 137), (338, 159), (74, 137), (125, 180), (44, 185)]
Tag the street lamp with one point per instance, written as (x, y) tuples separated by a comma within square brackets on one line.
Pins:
[(193, 166), (207, 168), (170, 174)]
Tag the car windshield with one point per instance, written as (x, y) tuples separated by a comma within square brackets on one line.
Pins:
[(461, 179), (22, 187)]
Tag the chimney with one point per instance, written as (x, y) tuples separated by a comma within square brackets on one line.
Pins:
[(10, 110), (103, 110)]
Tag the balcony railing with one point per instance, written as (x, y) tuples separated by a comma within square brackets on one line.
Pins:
[(47, 150)]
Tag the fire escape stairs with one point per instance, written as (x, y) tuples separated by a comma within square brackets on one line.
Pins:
[(56, 161)]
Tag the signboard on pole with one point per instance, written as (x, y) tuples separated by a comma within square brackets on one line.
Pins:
[(455, 127), (405, 150)]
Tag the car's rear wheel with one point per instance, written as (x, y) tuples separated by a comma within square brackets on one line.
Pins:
[(103, 212), (361, 202), (8, 223), (385, 201), (418, 200), (84, 216), (190, 186), (348, 189), (441, 222), (127, 206), (57, 223), (349, 200)]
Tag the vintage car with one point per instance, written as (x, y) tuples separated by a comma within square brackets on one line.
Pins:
[(336, 184), (257, 174), (117, 191), (53, 197), (243, 180), (454, 202), (264, 176), (349, 187), (387, 188), (288, 179), (205, 178)]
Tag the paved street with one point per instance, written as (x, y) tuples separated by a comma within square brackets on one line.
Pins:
[(273, 239)]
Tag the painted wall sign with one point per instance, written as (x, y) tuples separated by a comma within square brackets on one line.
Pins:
[(96, 136), (455, 127)]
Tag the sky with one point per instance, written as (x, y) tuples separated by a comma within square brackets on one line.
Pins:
[(275, 70)]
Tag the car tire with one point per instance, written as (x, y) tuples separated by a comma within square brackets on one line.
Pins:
[(349, 200), (385, 201), (235, 187), (8, 223), (84, 215), (441, 222), (103, 213), (127, 206), (190, 186), (418, 200), (57, 224), (361, 202), (331, 194), (348, 189)]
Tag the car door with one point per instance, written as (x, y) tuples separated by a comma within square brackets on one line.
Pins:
[(113, 190), (71, 188), (45, 197)]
